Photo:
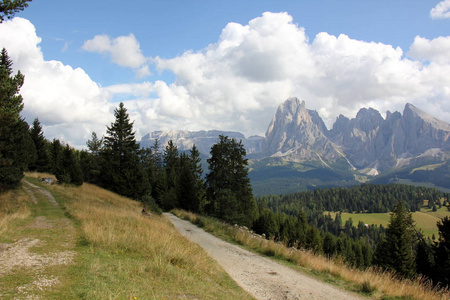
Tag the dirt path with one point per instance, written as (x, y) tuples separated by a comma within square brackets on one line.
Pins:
[(260, 276), (35, 262)]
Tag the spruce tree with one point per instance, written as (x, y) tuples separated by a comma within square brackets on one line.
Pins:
[(395, 251), (441, 250), (121, 168), (69, 170), (13, 139), (42, 163), (229, 176)]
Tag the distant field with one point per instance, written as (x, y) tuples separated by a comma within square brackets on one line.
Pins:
[(426, 219)]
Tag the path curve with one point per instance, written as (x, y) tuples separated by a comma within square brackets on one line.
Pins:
[(259, 276)]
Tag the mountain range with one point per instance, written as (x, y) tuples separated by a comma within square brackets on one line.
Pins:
[(300, 152)]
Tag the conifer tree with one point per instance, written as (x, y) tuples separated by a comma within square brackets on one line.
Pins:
[(91, 161), (42, 163), (8, 8), (442, 253), (121, 168), (395, 251), (228, 176), (69, 170), (14, 141)]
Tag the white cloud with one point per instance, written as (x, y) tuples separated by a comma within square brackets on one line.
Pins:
[(236, 83), (66, 101), (436, 50), (123, 50), (254, 67), (441, 10)]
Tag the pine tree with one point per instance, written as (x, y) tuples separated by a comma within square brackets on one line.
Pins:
[(121, 168), (13, 140), (42, 164), (441, 250), (229, 176), (69, 170), (91, 161), (395, 251), (8, 8)]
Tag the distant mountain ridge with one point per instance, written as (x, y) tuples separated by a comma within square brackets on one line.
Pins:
[(368, 144)]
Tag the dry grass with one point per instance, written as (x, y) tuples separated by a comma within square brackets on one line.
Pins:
[(129, 255), (13, 207), (372, 281)]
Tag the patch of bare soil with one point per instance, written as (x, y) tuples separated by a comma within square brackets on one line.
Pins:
[(19, 256), (259, 276)]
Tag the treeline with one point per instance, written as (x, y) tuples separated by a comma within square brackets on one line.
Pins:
[(365, 198), (353, 244), (303, 220)]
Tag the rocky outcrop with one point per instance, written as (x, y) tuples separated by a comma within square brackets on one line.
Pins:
[(299, 134), (367, 142)]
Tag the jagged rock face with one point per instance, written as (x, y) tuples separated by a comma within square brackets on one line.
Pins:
[(203, 140), (298, 134), (418, 132), (368, 142), (357, 136)]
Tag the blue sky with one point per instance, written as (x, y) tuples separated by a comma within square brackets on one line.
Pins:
[(225, 65)]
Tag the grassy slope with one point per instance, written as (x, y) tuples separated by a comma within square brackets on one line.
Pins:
[(120, 253)]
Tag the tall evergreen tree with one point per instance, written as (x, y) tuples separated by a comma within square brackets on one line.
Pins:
[(91, 161), (442, 253), (121, 169), (69, 170), (42, 163), (13, 140), (395, 251), (229, 176)]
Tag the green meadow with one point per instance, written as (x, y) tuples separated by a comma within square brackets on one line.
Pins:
[(425, 220)]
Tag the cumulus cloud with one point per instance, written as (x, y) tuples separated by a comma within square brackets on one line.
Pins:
[(123, 50), (66, 101), (242, 78), (441, 10), (436, 50), (236, 83)]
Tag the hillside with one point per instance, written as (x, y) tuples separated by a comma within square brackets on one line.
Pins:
[(62, 242)]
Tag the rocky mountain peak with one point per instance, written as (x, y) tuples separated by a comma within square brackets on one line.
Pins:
[(298, 134)]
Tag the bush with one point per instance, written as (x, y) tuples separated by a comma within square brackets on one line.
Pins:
[(148, 201)]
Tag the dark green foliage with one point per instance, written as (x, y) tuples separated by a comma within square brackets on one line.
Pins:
[(69, 170), (442, 253), (56, 154), (395, 251), (42, 163), (16, 150), (121, 170), (91, 161), (150, 203), (8, 8), (10, 100), (368, 198), (228, 175)]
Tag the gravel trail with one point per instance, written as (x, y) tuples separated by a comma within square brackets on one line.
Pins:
[(259, 276)]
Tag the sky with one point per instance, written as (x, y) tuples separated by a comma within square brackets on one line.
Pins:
[(224, 65)]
